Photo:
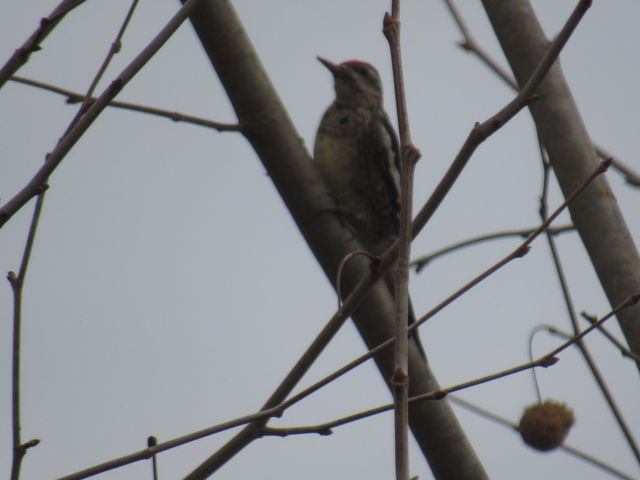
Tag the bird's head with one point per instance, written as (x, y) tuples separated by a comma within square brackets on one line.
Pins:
[(356, 82)]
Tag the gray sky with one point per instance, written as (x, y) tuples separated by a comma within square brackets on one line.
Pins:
[(169, 289)]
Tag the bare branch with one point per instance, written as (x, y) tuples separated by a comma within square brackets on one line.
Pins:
[(276, 405), (279, 151), (47, 24), (470, 45), (573, 318), (421, 262), (520, 251), (545, 361), (17, 282), (409, 156), (513, 426), (326, 428), (481, 132), (115, 48), (75, 97), (596, 215), (116, 45), (623, 350), (69, 140)]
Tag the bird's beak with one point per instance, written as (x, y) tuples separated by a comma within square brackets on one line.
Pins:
[(330, 65)]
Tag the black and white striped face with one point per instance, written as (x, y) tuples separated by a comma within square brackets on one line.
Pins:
[(356, 82)]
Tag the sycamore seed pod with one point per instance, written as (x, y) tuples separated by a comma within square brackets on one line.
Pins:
[(544, 426)]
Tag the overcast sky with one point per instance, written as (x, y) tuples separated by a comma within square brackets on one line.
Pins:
[(169, 289)]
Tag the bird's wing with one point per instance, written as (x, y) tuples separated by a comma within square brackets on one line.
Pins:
[(391, 166)]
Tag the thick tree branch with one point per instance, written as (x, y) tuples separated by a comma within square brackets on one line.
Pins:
[(595, 214), (271, 133), (268, 128)]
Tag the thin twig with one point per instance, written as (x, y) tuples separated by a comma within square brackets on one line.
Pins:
[(513, 426), (116, 45), (632, 300), (152, 442), (470, 45), (544, 361), (536, 385), (286, 431), (409, 156), (520, 251), (17, 282), (623, 350), (75, 97), (343, 263), (630, 176), (481, 132), (273, 408), (47, 24), (421, 262), (573, 318), (68, 141), (251, 432), (115, 48), (148, 453)]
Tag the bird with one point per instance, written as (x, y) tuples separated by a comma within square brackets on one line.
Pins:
[(357, 153)]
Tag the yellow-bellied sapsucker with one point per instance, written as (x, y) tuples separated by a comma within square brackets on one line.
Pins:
[(357, 153)]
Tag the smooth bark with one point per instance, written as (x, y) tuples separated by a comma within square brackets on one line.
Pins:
[(268, 128), (595, 214)]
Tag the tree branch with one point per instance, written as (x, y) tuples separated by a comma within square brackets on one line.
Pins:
[(409, 156), (470, 45), (17, 282), (73, 135), (514, 427), (32, 44), (268, 128), (596, 214), (75, 97), (422, 261)]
